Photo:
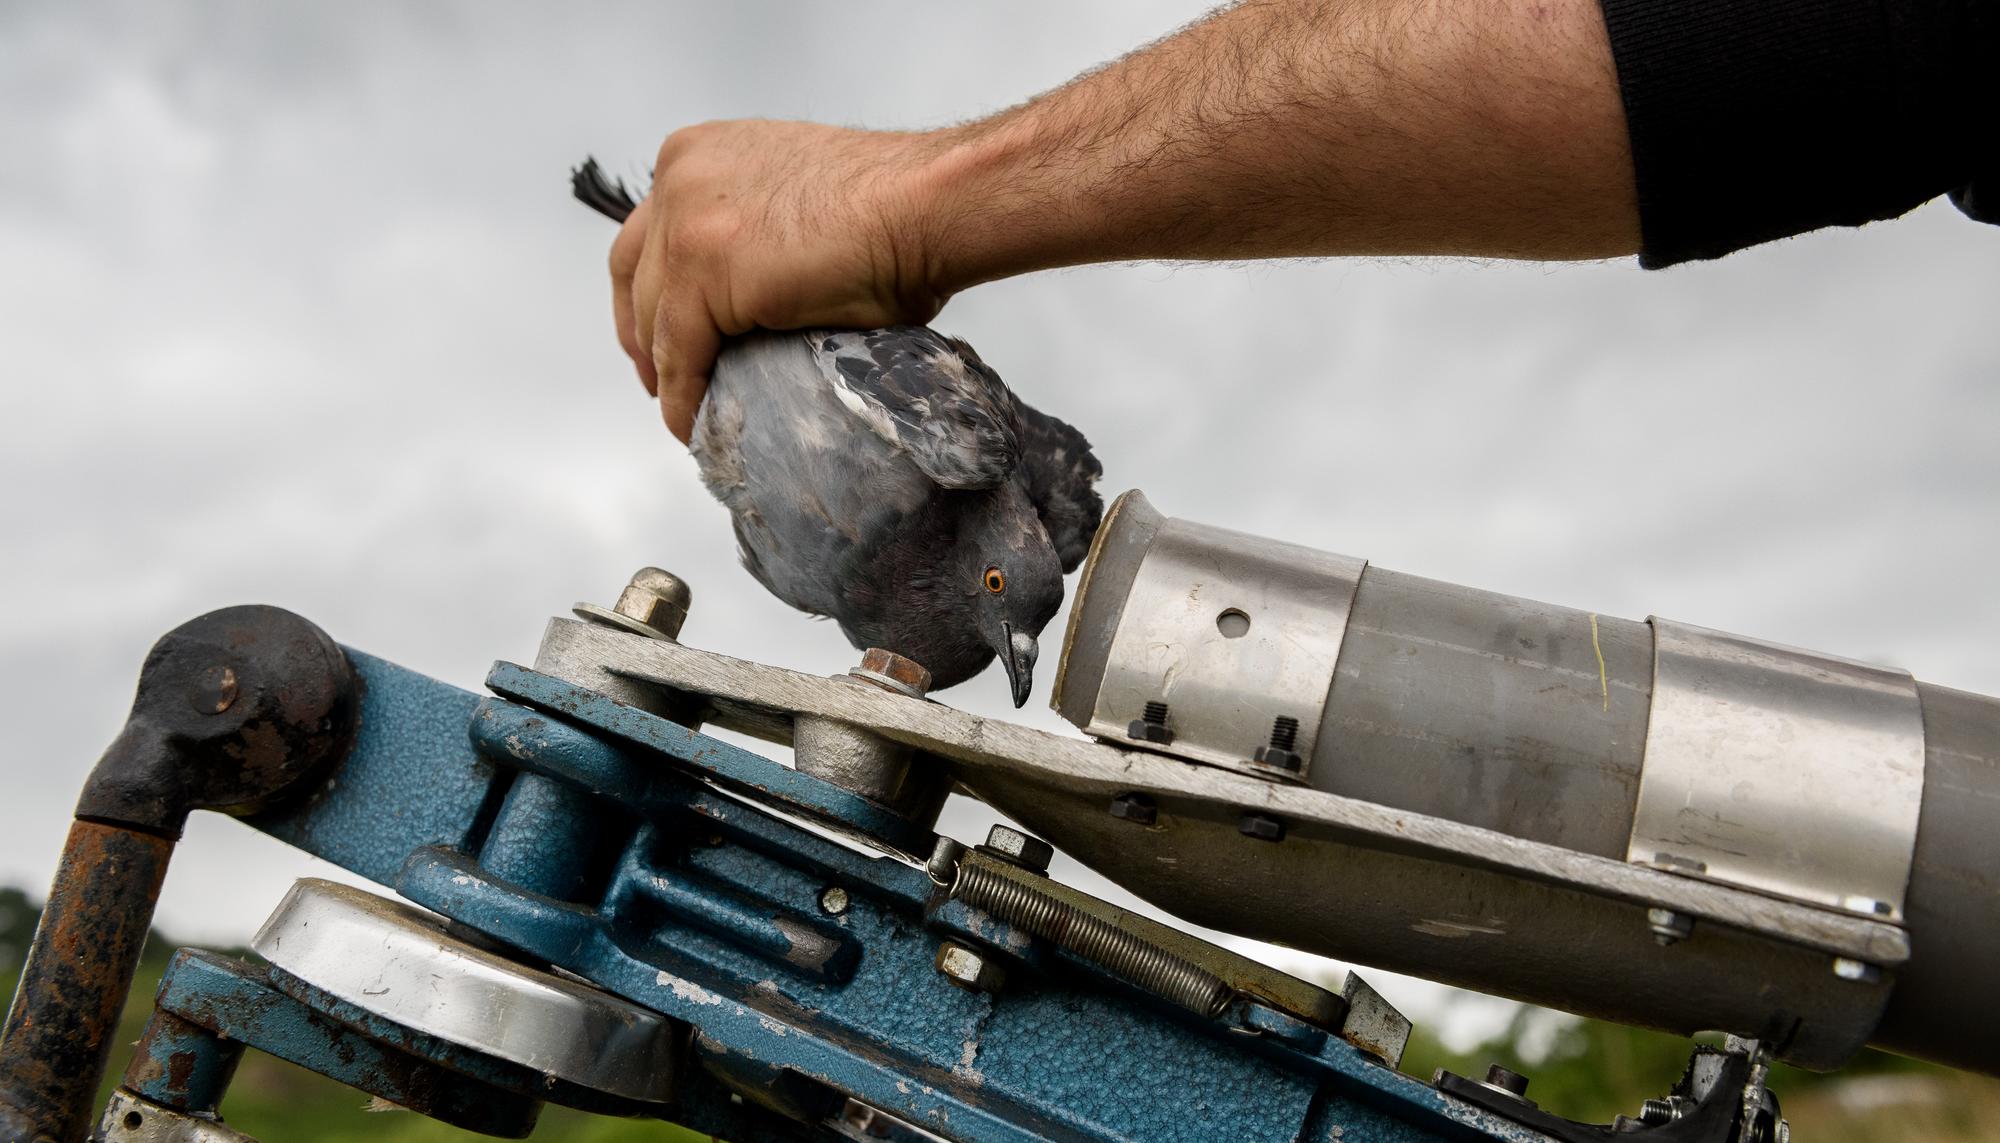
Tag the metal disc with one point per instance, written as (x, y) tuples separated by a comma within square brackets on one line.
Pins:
[(398, 962)]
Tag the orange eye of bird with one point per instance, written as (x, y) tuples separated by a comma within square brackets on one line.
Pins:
[(995, 582)]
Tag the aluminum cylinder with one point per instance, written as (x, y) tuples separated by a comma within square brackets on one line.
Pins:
[(1534, 720)]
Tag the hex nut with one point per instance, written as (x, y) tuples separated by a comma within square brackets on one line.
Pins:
[(1669, 926), (1135, 808), (1274, 756), (656, 598), (1011, 845), (969, 970), (900, 671), (1506, 1079), (1261, 827), (1154, 732)]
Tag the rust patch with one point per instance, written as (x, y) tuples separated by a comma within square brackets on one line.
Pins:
[(79, 968)]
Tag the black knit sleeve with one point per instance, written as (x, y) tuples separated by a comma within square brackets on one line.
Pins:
[(1756, 119)]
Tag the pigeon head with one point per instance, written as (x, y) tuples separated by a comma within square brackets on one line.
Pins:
[(1014, 580)]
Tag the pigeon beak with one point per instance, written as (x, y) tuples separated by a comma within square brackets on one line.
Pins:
[(1020, 660)]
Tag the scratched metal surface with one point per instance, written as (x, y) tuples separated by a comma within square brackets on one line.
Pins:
[(411, 779), (216, 998), (700, 905), (983, 750)]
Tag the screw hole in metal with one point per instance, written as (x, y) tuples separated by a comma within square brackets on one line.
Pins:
[(1233, 623), (134, 1121)]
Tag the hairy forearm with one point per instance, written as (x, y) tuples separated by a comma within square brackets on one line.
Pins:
[(1302, 127), (1276, 128)]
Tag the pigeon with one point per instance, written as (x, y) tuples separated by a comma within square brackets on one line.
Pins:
[(889, 480)]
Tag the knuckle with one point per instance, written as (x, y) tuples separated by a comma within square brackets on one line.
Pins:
[(684, 139), (671, 148), (705, 236)]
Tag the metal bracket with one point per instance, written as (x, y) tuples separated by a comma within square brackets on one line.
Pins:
[(1783, 771), (130, 1119), (1229, 639), (1722, 1100), (757, 699), (399, 964)]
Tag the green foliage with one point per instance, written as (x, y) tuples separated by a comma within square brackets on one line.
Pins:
[(1583, 1069), (278, 1102), (1589, 1070)]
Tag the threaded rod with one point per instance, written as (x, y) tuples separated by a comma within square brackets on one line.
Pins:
[(1285, 732)]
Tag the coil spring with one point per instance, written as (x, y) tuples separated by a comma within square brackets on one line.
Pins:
[(1130, 957)]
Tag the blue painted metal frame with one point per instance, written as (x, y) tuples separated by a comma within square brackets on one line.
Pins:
[(633, 851), (210, 1006)]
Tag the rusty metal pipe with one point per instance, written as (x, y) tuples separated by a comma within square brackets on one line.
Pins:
[(236, 710), (73, 985)]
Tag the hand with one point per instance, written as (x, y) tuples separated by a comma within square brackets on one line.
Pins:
[(767, 225)]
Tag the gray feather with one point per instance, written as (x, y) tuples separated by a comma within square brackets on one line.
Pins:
[(927, 394), (873, 477)]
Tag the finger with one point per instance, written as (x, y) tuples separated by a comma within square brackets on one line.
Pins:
[(656, 273), (685, 342), (626, 252)]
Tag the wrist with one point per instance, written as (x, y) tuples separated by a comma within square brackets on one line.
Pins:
[(976, 212)]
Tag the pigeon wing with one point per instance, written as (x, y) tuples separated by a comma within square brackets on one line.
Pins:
[(1061, 474), (929, 396)]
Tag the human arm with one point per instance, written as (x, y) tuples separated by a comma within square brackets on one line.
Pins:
[(1306, 127), (1276, 128)]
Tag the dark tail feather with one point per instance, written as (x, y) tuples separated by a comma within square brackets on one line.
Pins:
[(600, 192)]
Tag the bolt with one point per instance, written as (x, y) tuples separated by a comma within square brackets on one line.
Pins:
[(1262, 827), (1010, 844), (1511, 1082), (656, 598), (1655, 1112), (943, 865), (969, 970), (1285, 732), (1135, 808), (1280, 752), (834, 901), (1669, 926), (213, 691), (1860, 972), (1152, 727), (893, 672), (654, 604)]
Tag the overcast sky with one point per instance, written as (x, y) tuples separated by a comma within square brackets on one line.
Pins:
[(295, 308)]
